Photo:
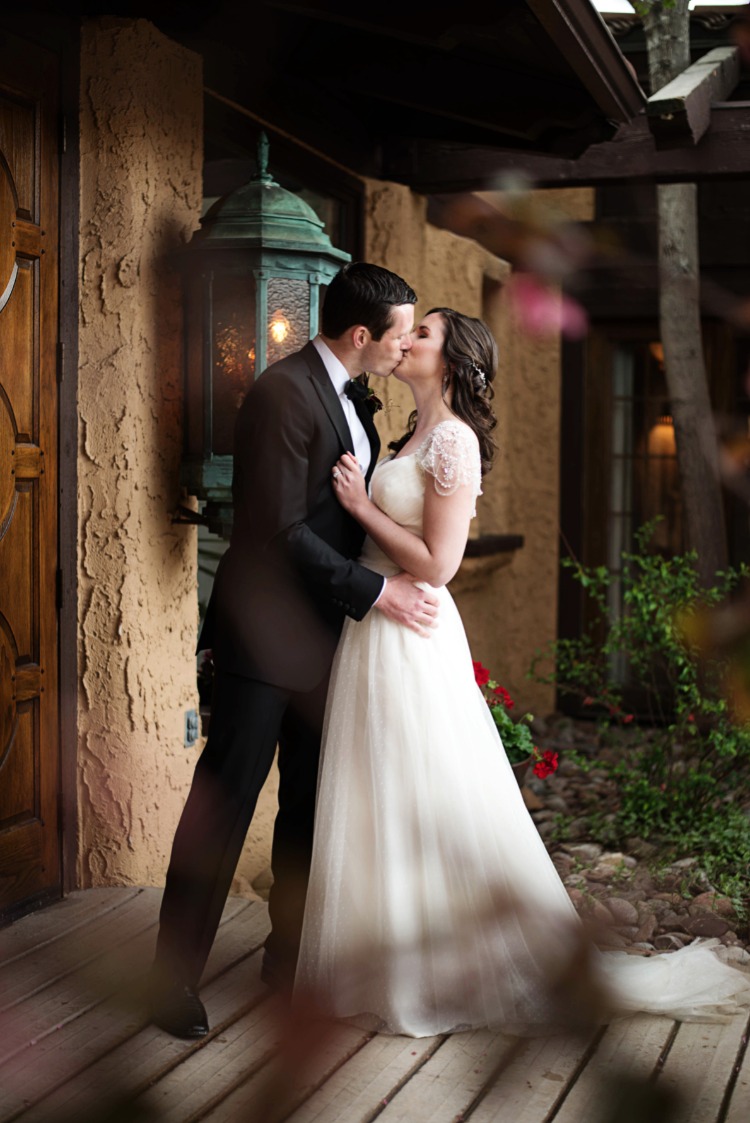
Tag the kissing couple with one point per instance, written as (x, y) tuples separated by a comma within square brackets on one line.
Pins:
[(415, 893)]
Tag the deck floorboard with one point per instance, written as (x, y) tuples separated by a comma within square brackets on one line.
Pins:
[(75, 1044)]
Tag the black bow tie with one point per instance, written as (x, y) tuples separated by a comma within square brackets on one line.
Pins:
[(355, 391)]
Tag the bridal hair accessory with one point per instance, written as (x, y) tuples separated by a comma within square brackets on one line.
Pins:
[(479, 372)]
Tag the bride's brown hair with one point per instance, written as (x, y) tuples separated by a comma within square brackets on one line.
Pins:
[(470, 355)]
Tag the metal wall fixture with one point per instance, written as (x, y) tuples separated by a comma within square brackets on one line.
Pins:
[(253, 278)]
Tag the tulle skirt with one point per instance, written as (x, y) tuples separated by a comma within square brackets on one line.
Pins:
[(433, 904)]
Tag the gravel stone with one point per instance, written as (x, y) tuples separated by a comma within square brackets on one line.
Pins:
[(638, 901), (622, 911), (707, 926), (711, 902), (673, 921), (647, 930), (735, 954), (670, 941), (585, 851), (616, 860)]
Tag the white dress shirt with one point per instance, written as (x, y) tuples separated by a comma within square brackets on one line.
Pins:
[(340, 378)]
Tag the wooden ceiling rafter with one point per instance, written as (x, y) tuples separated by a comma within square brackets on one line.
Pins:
[(680, 112)]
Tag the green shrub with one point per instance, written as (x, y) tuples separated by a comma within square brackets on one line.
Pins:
[(682, 764)]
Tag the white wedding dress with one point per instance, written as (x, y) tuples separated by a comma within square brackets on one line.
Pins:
[(432, 904)]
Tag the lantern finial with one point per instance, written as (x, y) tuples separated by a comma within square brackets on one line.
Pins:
[(263, 146)]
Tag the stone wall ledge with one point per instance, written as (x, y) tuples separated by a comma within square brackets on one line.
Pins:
[(484, 555)]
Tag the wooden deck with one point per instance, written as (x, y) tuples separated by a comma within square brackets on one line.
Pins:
[(74, 1045)]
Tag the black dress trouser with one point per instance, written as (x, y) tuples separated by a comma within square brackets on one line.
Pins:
[(248, 719)]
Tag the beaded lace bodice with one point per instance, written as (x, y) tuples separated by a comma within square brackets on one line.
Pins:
[(449, 456)]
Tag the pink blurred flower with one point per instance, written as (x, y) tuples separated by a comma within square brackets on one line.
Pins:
[(541, 310)]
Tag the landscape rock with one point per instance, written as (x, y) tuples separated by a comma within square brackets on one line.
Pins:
[(642, 849), (599, 912), (599, 873), (684, 864), (616, 860), (639, 901), (670, 898), (671, 941), (647, 930), (658, 907), (673, 921), (734, 954), (707, 926), (577, 828), (711, 902), (623, 912), (585, 851)]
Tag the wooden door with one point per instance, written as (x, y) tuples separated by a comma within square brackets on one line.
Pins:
[(29, 719)]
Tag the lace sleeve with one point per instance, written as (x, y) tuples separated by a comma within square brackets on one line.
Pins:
[(450, 454)]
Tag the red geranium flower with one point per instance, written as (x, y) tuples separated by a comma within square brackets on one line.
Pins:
[(515, 733), (481, 674), (547, 765), (504, 697)]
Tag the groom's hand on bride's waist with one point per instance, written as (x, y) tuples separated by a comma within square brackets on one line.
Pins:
[(403, 601)]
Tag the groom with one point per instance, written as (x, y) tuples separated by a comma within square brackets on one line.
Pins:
[(281, 593)]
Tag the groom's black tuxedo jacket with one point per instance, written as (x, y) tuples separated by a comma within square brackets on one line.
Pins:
[(288, 578)]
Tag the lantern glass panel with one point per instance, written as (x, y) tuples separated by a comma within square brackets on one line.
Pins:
[(233, 353), (288, 316)]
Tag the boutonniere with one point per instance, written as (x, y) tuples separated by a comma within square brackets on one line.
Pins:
[(358, 390), (372, 401)]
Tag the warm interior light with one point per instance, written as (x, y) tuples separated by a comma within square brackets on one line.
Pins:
[(657, 352), (279, 327)]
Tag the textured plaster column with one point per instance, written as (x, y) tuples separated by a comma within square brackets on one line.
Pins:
[(141, 157), (521, 615), (517, 614)]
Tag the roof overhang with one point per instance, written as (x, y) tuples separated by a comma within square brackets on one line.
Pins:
[(372, 85)]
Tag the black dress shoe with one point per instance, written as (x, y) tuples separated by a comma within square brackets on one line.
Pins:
[(178, 1010)]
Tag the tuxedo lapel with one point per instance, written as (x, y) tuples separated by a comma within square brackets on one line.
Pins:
[(328, 396), (364, 414)]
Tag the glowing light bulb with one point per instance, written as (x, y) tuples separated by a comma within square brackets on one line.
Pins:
[(279, 327)]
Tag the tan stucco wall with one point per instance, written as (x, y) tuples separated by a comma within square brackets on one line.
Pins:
[(140, 196)]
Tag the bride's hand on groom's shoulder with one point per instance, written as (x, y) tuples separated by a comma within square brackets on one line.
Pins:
[(349, 484), (405, 602)]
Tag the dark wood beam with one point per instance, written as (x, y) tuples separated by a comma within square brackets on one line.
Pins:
[(723, 153), (582, 36), (680, 112)]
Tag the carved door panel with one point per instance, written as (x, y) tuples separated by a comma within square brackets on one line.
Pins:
[(29, 722)]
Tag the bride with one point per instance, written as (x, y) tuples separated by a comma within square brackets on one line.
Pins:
[(432, 903)]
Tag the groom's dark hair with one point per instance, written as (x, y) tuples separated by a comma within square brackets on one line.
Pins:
[(361, 293)]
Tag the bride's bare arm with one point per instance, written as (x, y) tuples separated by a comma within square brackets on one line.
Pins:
[(436, 556)]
